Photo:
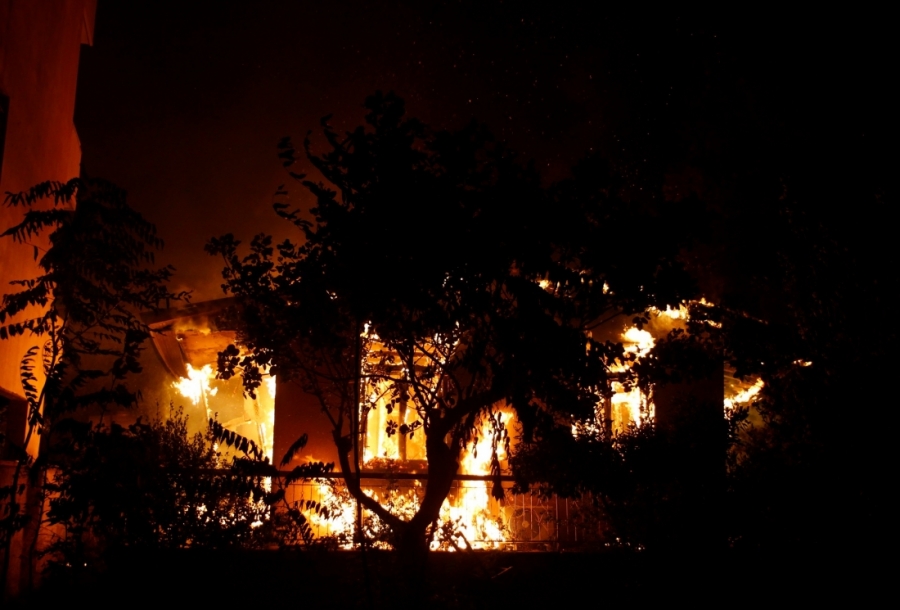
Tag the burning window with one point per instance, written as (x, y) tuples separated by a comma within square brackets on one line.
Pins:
[(188, 344)]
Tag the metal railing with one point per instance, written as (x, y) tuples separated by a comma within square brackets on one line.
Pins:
[(471, 516)]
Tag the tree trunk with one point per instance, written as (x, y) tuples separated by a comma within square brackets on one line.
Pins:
[(411, 540)]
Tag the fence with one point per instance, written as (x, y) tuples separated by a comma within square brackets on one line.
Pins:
[(470, 516)]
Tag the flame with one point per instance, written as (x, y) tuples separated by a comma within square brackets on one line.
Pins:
[(475, 526), (469, 516), (195, 387), (679, 313), (628, 405), (744, 396), (340, 519), (641, 341), (257, 421), (466, 517)]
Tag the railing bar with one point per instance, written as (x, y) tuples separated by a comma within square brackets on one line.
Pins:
[(399, 476)]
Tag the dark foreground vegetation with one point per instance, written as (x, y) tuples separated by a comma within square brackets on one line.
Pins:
[(346, 579)]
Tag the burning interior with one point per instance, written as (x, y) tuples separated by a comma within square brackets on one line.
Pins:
[(188, 347), (392, 456)]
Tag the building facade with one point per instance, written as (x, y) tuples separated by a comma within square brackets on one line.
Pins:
[(40, 44)]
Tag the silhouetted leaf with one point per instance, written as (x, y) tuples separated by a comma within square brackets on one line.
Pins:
[(297, 445)]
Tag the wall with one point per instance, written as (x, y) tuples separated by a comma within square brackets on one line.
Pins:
[(40, 43)]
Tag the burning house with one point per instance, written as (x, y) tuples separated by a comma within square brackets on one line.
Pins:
[(391, 456), (188, 342), (391, 459)]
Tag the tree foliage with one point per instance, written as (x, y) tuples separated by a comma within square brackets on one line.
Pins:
[(96, 279), (437, 263), (148, 486), (83, 309)]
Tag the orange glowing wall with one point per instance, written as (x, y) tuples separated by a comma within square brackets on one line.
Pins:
[(296, 413), (40, 43)]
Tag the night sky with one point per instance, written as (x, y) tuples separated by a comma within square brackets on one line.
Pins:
[(183, 107)]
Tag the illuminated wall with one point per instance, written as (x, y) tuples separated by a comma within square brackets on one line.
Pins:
[(40, 43)]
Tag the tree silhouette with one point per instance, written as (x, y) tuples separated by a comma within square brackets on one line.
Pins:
[(96, 280), (436, 263)]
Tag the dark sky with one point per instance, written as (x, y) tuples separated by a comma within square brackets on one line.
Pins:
[(182, 103)]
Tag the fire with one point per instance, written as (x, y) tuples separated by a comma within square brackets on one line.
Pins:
[(253, 418), (340, 519), (195, 387), (394, 441), (745, 396), (466, 517), (469, 518), (641, 341), (628, 405), (678, 313)]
